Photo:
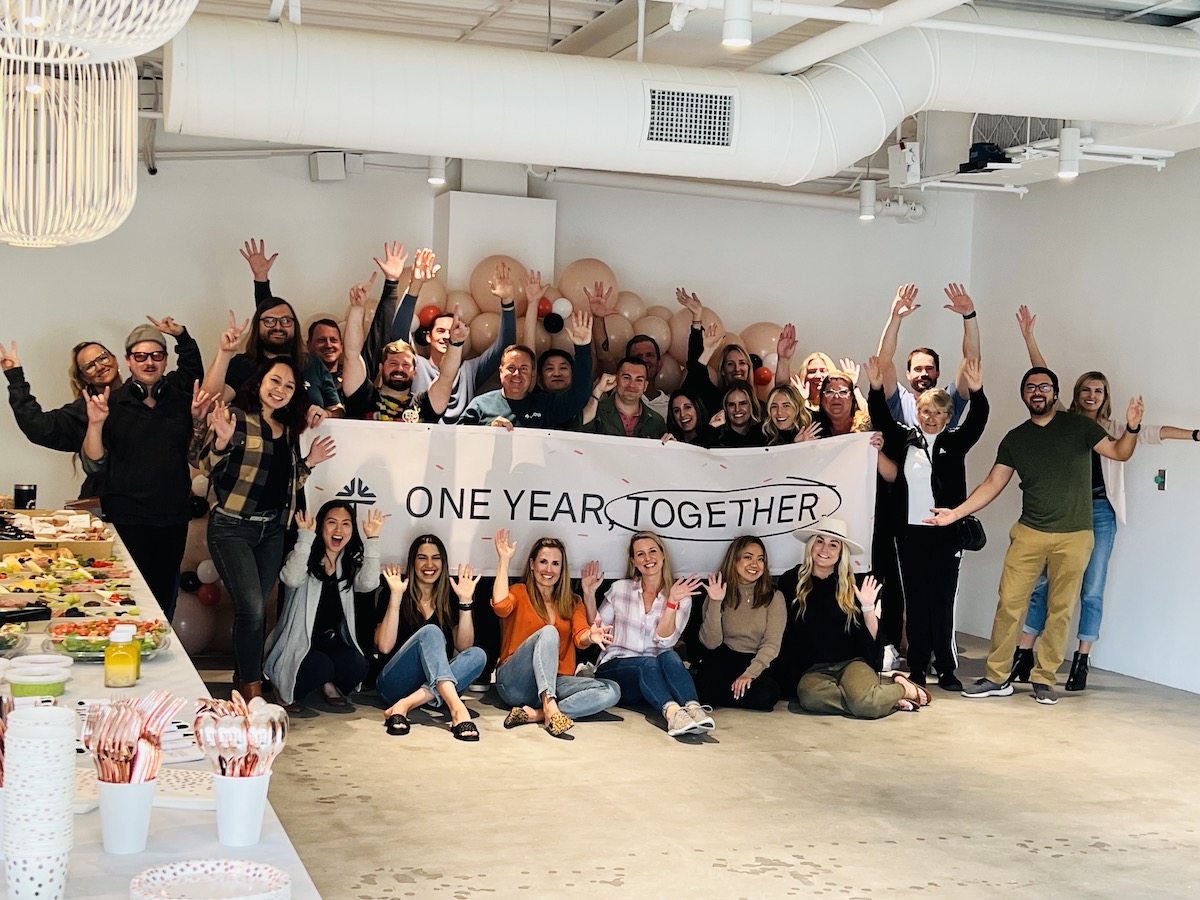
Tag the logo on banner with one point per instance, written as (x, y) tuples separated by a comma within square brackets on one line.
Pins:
[(357, 493)]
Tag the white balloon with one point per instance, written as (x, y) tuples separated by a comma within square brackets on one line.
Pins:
[(563, 307), (771, 360), (207, 572), (200, 485)]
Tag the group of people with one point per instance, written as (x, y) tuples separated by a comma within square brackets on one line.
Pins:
[(816, 633)]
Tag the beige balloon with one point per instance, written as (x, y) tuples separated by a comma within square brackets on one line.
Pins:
[(619, 330), (584, 273), (655, 328), (484, 328), (670, 374), (541, 337), (482, 274), (662, 312), (552, 293), (681, 326), (432, 293), (468, 309), (630, 305), (761, 338), (561, 341)]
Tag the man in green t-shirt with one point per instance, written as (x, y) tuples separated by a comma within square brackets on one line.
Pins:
[(1052, 454)]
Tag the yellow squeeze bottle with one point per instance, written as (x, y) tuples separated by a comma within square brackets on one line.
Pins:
[(121, 658)]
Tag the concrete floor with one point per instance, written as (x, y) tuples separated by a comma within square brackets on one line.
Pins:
[(1096, 797)]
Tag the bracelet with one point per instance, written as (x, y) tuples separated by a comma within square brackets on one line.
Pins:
[(465, 607), (1133, 430), (1196, 434), (508, 307), (594, 397), (671, 605), (869, 609), (972, 314), (457, 343)]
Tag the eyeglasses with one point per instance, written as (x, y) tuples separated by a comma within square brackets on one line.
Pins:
[(843, 393), (1038, 388), (272, 321), (89, 367), (156, 355)]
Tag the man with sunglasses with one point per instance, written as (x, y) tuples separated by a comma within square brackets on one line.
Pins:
[(137, 438), (1053, 454)]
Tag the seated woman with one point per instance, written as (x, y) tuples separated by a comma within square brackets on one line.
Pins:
[(688, 420), (743, 626), (743, 417), (831, 639), (314, 643), (647, 612), (788, 420), (419, 633), (931, 472), (543, 623), (840, 412)]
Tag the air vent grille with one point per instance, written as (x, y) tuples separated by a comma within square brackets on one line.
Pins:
[(1013, 131), (690, 117)]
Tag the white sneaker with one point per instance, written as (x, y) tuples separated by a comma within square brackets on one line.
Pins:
[(482, 686), (891, 659), (700, 715), (682, 723), (585, 670)]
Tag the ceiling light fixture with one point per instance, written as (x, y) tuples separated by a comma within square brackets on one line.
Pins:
[(437, 170), (1069, 153), (68, 152), (866, 200), (738, 30), (94, 31)]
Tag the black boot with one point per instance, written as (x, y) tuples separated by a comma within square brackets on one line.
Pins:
[(1077, 680), (1022, 665)]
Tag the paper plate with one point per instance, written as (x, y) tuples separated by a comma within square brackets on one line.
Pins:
[(212, 879)]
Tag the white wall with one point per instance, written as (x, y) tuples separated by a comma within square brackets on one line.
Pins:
[(1107, 264)]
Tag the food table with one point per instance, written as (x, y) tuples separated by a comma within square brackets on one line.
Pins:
[(175, 834)]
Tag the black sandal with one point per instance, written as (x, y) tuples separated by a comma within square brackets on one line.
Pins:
[(465, 731), (397, 724)]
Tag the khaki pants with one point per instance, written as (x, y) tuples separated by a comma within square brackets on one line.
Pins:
[(849, 689), (1065, 557)]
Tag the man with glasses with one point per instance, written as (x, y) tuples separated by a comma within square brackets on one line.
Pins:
[(1053, 454), (137, 438)]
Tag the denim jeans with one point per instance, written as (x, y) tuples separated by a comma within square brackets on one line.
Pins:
[(657, 680), (422, 660), (1091, 594), (248, 557), (532, 670)]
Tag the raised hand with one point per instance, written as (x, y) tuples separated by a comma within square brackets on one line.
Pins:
[(501, 284), (8, 358), (97, 407), (973, 370), (1025, 321), (868, 591), (322, 448), (534, 289), (394, 576), (372, 526), (505, 548), (604, 384), (786, 345), (600, 634), (810, 432), (850, 367), (166, 326), (874, 372), (684, 587), (464, 583), (232, 336), (394, 260), (715, 587), (360, 293), (579, 328), (690, 302), (255, 253), (1133, 415), (424, 268), (202, 402), (598, 300), (305, 522), (714, 337), (223, 423), (902, 303), (591, 578), (459, 330), (960, 300)]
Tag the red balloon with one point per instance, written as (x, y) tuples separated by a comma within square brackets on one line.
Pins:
[(545, 307), (209, 594), (427, 315), (763, 376)]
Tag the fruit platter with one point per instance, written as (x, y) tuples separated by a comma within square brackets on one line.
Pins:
[(87, 639), (65, 584)]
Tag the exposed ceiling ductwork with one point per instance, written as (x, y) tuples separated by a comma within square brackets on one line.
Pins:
[(305, 85)]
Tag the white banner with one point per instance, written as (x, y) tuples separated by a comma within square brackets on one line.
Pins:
[(592, 492)]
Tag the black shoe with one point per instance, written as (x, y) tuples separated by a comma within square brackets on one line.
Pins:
[(1022, 665), (1077, 680), (917, 676), (948, 681)]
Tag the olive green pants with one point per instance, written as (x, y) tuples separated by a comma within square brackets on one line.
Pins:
[(849, 689)]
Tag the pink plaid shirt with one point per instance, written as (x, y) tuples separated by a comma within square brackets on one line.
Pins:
[(634, 630)]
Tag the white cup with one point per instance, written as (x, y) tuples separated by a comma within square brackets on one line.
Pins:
[(125, 815), (36, 877), (241, 803)]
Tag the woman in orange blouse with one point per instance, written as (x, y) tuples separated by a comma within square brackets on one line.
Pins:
[(543, 623)]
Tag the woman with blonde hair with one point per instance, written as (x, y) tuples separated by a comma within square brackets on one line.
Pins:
[(744, 618), (831, 639), (646, 612), (787, 419), (543, 623)]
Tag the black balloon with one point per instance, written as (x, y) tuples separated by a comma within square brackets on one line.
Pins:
[(421, 337), (189, 581), (553, 323), (755, 362), (199, 507)]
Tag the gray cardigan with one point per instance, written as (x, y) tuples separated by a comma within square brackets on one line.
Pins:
[(291, 640)]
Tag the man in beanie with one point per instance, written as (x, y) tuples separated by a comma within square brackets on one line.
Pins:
[(138, 436)]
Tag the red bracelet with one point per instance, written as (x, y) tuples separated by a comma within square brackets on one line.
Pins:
[(671, 605)]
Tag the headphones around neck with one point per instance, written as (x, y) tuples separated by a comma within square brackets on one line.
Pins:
[(140, 392)]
